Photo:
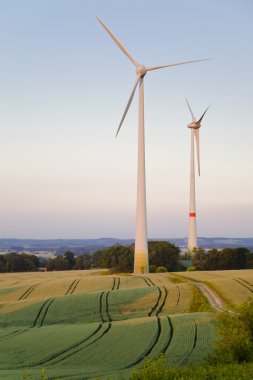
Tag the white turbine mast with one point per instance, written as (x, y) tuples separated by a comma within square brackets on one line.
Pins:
[(141, 263), (194, 126)]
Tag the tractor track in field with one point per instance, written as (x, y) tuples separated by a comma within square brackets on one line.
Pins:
[(78, 347), (4, 336), (150, 348), (2, 305), (13, 334), (28, 292), (66, 350), (104, 304), (105, 319), (155, 311), (72, 287), (195, 339), (116, 283), (244, 283), (147, 280), (107, 306), (39, 320), (41, 315), (37, 323), (160, 302), (247, 282), (178, 296), (40, 312), (101, 306), (167, 344), (159, 310)]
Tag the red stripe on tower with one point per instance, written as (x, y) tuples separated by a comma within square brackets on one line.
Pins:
[(192, 214)]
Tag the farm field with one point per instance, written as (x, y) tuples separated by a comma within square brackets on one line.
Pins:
[(233, 286), (85, 324)]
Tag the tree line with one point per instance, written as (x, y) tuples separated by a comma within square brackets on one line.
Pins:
[(163, 256), (69, 262), (227, 258), (15, 262)]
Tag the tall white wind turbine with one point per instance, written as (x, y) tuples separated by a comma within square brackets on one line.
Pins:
[(141, 264), (194, 125)]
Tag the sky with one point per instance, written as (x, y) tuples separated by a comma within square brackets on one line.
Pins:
[(64, 85)]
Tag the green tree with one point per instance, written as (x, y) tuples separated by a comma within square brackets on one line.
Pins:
[(83, 261), (57, 263), (163, 253), (235, 342), (199, 258), (227, 258), (20, 262), (118, 258), (70, 259), (2, 263)]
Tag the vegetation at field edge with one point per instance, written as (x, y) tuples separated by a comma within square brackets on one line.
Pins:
[(199, 302), (158, 370), (235, 339)]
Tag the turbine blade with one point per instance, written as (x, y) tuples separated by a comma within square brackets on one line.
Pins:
[(196, 133), (128, 104), (122, 48), (199, 121), (193, 117), (174, 64)]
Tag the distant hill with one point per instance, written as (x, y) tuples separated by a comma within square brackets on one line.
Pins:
[(217, 242), (58, 246)]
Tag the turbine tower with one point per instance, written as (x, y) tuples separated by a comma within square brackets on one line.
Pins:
[(194, 125), (141, 263)]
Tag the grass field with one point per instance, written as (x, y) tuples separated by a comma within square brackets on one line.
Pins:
[(83, 324)]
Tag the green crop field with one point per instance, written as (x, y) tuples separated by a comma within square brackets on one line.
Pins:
[(85, 324)]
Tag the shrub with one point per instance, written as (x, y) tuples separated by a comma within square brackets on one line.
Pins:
[(161, 269), (235, 342), (191, 269), (152, 268)]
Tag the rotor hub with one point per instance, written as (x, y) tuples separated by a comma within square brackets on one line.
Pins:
[(141, 70)]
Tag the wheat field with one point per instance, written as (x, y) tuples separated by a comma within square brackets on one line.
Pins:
[(84, 324)]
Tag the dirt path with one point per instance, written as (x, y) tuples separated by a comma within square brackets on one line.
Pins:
[(214, 300), (212, 297)]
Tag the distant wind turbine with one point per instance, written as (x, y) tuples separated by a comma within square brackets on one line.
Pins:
[(194, 125), (141, 264)]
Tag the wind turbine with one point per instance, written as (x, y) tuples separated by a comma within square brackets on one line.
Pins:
[(194, 125), (141, 264)]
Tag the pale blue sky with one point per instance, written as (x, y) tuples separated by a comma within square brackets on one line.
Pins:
[(63, 87)]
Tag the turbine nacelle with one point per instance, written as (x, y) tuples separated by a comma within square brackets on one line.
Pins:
[(194, 125), (141, 70)]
